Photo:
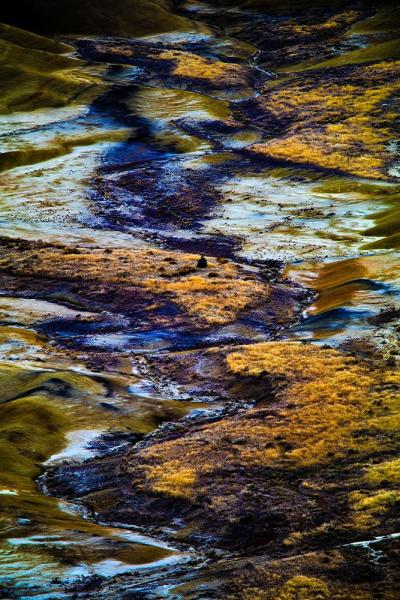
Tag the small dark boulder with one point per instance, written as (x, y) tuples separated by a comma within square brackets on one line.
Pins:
[(202, 262)]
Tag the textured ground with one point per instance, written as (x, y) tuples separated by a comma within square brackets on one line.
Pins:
[(184, 432)]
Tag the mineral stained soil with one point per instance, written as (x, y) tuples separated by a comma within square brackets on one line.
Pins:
[(171, 431)]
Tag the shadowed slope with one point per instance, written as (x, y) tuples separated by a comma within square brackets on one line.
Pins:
[(105, 17), (35, 73)]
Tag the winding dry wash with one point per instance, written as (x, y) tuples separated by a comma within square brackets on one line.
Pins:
[(169, 430)]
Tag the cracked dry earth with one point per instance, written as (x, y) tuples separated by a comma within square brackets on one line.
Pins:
[(170, 431)]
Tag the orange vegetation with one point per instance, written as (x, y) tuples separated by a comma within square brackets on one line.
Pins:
[(211, 296), (191, 65), (337, 120), (328, 407)]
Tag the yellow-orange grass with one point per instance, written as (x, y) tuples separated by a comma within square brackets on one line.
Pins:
[(325, 399), (337, 124), (208, 300)]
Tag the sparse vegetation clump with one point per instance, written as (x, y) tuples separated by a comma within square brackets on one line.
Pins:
[(299, 587), (303, 588), (217, 72), (386, 472), (376, 503), (371, 508), (172, 480)]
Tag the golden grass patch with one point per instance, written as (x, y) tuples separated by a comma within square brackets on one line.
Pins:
[(384, 472), (211, 296), (301, 587), (194, 66), (336, 121), (331, 407)]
